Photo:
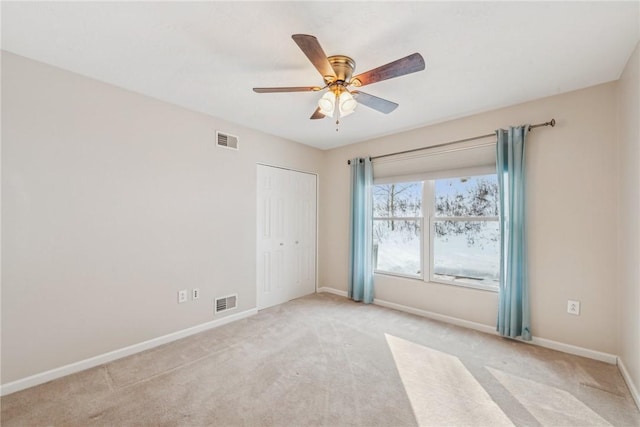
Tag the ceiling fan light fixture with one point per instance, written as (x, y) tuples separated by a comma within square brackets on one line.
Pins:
[(346, 103), (327, 104)]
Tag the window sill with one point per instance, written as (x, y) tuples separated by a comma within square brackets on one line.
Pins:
[(478, 287), (403, 276)]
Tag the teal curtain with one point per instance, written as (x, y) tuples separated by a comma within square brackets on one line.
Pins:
[(360, 231), (513, 310)]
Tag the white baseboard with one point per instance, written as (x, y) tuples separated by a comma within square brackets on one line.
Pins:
[(333, 291), (82, 365), (542, 342), (627, 378), (572, 349), (435, 316), (101, 359)]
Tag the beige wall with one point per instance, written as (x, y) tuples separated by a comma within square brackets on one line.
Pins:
[(629, 223), (572, 196), (112, 202)]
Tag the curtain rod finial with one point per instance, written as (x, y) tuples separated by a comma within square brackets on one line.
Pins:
[(552, 122)]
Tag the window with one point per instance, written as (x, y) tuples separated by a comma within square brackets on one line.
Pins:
[(397, 228), (463, 233), (465, 238)]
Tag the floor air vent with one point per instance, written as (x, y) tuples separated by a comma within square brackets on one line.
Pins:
[(226, 141), (226, 303)]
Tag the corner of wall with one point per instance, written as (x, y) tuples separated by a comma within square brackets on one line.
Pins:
[(628, 142)]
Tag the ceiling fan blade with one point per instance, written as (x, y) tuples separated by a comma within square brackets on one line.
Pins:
[(310, 47), (379, 104), (317, 114), (287, 89), (400, 67)]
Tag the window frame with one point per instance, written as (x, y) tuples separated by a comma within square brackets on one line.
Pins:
[(427, 225)]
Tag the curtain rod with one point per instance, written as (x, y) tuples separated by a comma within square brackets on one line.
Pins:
[(551, 123)]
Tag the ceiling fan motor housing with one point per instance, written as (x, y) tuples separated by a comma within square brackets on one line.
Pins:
[(343, 66)]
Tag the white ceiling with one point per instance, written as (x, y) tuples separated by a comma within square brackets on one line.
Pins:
[(207, 56)]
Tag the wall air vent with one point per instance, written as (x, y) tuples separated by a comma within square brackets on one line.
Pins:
[(226, 140), (226, 303)]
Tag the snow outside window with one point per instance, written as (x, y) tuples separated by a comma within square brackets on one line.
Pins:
[(465, 233), (397, 228), (462, 230)]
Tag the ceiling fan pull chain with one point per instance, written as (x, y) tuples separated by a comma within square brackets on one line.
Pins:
[(337, 112)]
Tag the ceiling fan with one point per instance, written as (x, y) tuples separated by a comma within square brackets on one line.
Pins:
[(337, 71)]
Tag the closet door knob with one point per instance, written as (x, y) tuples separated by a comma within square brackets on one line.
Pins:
[(281, 244)]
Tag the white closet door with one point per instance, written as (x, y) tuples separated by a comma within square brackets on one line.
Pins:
[(304, 233), (286, 238), (272, 274)]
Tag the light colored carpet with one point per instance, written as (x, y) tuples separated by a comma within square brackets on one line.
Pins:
[(323, 360)]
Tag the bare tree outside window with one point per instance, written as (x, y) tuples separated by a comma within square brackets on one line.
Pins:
[(473, 197), (397, 212), (463, 228)]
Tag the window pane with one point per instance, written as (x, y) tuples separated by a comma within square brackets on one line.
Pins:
[(467, 251), (396, 246), (397, 200), (467, 196)]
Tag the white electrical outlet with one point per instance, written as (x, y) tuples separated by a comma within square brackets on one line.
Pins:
[(182, 296), (195, 293), (573, 307)]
